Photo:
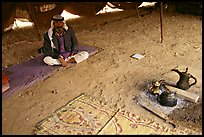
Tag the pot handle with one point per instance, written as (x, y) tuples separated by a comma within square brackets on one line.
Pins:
[(194, 81)]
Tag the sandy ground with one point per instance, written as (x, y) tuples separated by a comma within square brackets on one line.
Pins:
[(110, 75)]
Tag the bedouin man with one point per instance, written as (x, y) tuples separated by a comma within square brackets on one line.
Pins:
[(60, 45)]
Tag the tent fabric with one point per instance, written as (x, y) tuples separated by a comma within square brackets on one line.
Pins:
[(26, 74), (41, 12)]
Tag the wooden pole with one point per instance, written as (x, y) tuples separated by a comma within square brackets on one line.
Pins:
[(15, 23), (185, 94), (136, 6), (32, 16), (161, 14), (152, 108)]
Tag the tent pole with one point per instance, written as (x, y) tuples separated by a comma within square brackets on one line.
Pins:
[(31, 11), (137, 9), (161, 14)]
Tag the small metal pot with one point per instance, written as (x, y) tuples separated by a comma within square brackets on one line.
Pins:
[(167, 99)]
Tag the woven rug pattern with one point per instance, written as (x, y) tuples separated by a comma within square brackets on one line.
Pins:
[(88, 116), (82, 116), (127, 123)]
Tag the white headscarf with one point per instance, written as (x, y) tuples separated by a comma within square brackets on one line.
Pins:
[(50, 31)]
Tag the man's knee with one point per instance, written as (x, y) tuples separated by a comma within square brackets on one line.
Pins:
[(50, 61), (81, 56)]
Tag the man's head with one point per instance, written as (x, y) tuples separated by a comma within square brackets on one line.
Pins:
[(58, 22)]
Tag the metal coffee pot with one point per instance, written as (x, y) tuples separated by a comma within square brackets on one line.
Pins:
[(156, 86), (167, 98), (183, 82)]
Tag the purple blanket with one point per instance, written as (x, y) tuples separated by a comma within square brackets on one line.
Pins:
[(25, 74)]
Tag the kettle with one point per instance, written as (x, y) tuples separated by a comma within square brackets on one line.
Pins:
[(167, 98), (183, 82)]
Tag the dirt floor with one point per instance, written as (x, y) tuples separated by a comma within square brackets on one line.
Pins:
[(111, 74)]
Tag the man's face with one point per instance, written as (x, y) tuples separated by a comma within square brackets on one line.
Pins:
[(59, 25)]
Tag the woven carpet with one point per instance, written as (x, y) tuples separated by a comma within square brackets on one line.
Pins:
[(88, 116), (27, 73), (82, 116), (127, 123)]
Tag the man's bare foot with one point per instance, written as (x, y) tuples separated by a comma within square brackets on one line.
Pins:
[(65, 64)]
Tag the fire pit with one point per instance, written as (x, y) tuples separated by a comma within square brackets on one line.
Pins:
[(165, 100)]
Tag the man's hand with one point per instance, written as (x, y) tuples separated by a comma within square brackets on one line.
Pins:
[(72, 54), (63, 62), (72, 60)]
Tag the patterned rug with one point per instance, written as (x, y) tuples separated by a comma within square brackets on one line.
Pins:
[(82, 116), (127, 123), (88, 116)]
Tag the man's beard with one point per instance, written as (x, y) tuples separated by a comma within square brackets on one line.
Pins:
[(59, 29)]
